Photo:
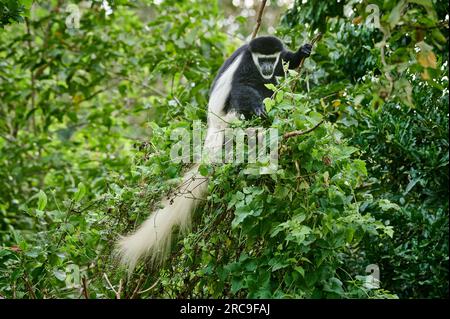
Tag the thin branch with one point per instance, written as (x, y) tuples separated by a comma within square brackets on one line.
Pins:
[(313, 41), (119, 291), (9, 139), (153, 89), (85, 290), (111, 286), (385, 65), (440, 24), (258, 18), (32, 77), (150, 288), (138, 286), (29, 287), (298, 133), (299, 68)]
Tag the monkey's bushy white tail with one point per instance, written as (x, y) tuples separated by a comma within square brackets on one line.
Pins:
[(153, 237)]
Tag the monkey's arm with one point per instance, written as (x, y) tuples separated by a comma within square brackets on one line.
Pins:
[(246, 100), (294, 59)]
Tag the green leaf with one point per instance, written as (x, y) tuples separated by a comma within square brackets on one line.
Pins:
[(279, 96), (59, 274), (34, 252), (278, 263), (269, 103), (438, 36), (389, 230), (300, 270), (241, 213), (240, 19), (292, 73), (42, 200), (410, 185), (81, 191), (386, 205), (203, 169), (237, 284)]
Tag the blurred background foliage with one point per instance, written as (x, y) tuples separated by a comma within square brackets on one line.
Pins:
[(90, 93)]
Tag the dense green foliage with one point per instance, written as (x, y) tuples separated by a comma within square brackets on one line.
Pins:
[(402, 134), (413, 143), (12, 11), (86, 116)]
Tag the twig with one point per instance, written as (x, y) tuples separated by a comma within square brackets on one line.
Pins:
[(385, 65), (313, 41), (29, 287), (85, 291), (258, 19), (111, 286), (300, 66), (298, 133), (119, 291), (138, 286), (32, 76), (440, 24), (150, 288), (11, 139)]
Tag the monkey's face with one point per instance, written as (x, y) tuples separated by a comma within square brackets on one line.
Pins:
[(266, 64)]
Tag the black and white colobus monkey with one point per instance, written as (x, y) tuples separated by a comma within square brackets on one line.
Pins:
[(239, 89), (248, 70)]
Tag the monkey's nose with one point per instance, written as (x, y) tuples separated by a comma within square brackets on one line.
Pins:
[(267, 69)]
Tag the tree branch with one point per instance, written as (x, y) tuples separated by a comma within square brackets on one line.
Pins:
[(111, 286), (138, 287), (299, 68), (313, 41), (298, 133), (258, 18), (150, 288), (85, 290), (32, 77), (29, 286)]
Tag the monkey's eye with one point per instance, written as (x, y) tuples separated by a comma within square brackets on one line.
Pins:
[(266, 60)]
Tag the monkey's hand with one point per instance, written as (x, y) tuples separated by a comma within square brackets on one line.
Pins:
[(305, 49), (261, 111)]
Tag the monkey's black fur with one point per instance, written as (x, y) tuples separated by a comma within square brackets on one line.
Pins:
[(248, 85), (266, 45)]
